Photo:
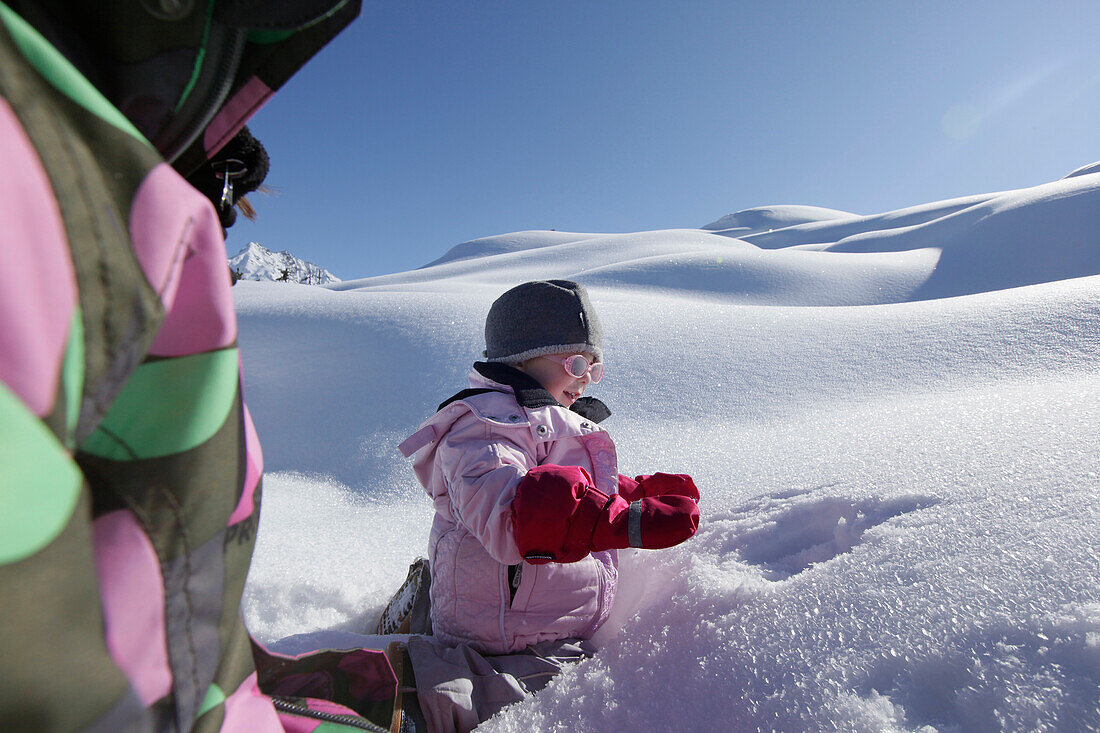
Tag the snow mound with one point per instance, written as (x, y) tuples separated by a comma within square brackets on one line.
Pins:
[(1085, 170), (761, 219), (503, 244), (752, 276), (832, 231), (1038, 235)]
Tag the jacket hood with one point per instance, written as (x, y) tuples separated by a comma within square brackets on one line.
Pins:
[(188, 73)]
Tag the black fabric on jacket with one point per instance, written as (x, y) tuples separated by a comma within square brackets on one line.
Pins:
[(529, 392)]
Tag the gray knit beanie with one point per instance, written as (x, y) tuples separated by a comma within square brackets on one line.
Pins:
[(539, 318)]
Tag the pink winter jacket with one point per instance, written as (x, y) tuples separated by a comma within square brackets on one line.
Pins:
[(469, 457)]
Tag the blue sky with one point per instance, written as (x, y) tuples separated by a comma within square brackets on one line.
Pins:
[(427, 124)]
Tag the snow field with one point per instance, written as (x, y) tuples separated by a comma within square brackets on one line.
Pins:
[(900, 491), (918, 561)]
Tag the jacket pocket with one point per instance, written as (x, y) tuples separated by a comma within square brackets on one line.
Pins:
[(475, 583), (522, 582)]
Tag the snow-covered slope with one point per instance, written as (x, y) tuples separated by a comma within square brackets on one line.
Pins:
[(256, 262), (892, 420), (767, 218), (505, 243), (1085, 170)]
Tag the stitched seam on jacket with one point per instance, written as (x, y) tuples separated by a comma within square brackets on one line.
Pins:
[(177, 512), (502, 584), (182, 244)]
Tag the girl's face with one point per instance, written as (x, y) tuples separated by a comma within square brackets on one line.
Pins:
[(564, 387)]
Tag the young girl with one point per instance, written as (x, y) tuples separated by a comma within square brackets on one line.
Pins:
[(529, 506)]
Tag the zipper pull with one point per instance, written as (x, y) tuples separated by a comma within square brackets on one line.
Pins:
[(227, 190), (233, 169)]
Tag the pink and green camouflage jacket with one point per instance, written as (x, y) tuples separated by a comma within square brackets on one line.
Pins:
[(129, 468)]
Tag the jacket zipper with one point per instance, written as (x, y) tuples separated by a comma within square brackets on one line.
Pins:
[(505, 601), (601, 579), (288, 706), (517, 578)]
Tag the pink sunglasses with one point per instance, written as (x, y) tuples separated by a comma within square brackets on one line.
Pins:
[(577, 365)]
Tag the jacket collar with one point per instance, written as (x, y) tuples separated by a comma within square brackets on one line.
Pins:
[(530, 394)]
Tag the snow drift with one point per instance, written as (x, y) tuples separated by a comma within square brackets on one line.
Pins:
[(892, 420)]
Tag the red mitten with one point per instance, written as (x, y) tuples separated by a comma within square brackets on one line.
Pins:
[(558, 516), (662, 484), (553, 513), (628, 488), (652, 523)]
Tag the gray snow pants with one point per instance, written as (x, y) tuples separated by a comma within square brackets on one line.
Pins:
[(458, 687)]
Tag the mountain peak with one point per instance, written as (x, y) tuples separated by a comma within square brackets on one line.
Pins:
[(257, 262)]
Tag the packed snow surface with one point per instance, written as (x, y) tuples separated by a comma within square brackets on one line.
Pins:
[(892, 420)]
